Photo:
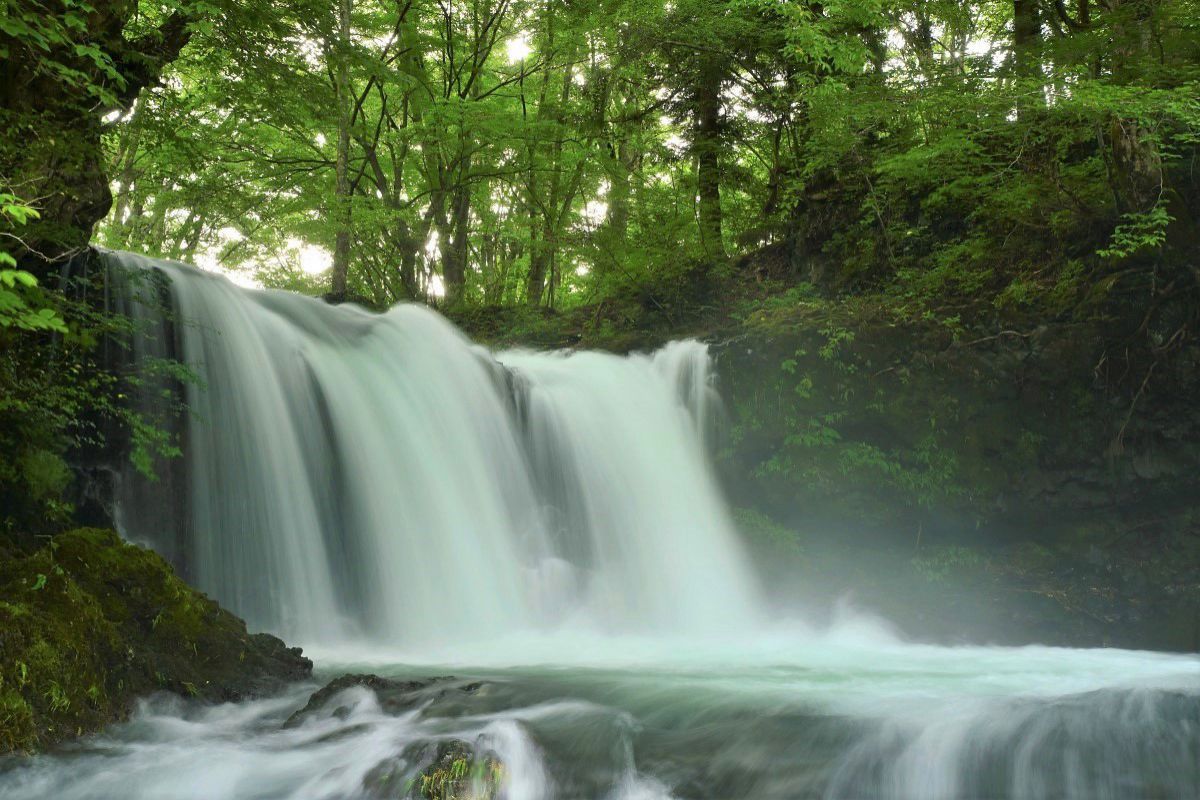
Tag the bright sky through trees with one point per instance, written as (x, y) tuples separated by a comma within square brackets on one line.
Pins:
[(523, 152)]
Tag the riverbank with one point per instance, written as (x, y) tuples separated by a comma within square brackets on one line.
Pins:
[(89, 623)]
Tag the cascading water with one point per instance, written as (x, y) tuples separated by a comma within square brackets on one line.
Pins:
[(402, 501), (359, 475)]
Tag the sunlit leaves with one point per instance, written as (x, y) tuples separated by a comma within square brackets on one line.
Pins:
[(892, 138), (1137, 233)]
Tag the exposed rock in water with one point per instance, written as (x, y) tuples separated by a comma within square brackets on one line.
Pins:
[(449, 769), (458, 772), (443, 769), (89, 622), (393, 695)]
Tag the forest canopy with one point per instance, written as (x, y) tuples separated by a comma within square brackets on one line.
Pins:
[(502, 152), (984, 169)]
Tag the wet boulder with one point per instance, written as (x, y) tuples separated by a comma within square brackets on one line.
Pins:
[(457, 771), (394, 696)]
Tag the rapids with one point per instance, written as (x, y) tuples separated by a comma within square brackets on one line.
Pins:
[(399, 500), (851, 712)]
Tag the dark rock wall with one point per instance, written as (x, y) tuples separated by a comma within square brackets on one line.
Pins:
[(916, 439)]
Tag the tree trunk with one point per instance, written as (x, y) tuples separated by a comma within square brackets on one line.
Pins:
[(614, 236), (51, 151), (536, 282), (707, 144), (1136, 165), (342, 209), (455, 251), (118, 232), (1027, 34)]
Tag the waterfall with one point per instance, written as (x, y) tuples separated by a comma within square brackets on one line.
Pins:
[(545, 526), (361, 476)]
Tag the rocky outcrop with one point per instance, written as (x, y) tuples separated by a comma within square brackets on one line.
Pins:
[(439, 769), (458, 772), (917, 438), (394, 696), (88, 623), (1008, 429)]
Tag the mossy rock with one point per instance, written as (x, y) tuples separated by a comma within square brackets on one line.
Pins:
[(457, 772), (394, 696), (89, 622)]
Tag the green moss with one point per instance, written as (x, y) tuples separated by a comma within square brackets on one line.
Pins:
[(54, 646), (937, 564), (89, 622), (457, 773), (46, 475)]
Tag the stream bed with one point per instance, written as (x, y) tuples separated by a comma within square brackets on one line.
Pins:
[(852, 712)]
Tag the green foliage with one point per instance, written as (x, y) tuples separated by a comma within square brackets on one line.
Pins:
[(46, 474), (58, 40), (18, 288), (576, 156), (91, 622), (15, 311), (1137, 233), (824, 413), (59, 394), (762, 531), (942, 564)]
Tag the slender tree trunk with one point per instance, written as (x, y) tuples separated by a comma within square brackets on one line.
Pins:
[(922, 41), (614, 237), (135, 227), (407, 248), (156, 233), (707, 144), (193, 239), (122, 226), (341, 248), (536, 283), (182, 236), (535, 280), (1027, 64), (618, 197), (456, 249)]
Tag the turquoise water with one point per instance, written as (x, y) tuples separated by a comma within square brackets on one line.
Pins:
[(548, 526), (851, 712)]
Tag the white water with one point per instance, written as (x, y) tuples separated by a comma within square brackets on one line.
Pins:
[(403, 502), (378, 477), (850, 712)]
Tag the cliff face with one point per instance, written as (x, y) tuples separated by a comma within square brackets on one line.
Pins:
[(1012, 450), (1006, 429), (88, 623)]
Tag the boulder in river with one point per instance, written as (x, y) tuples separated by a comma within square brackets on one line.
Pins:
[(394, 695)]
